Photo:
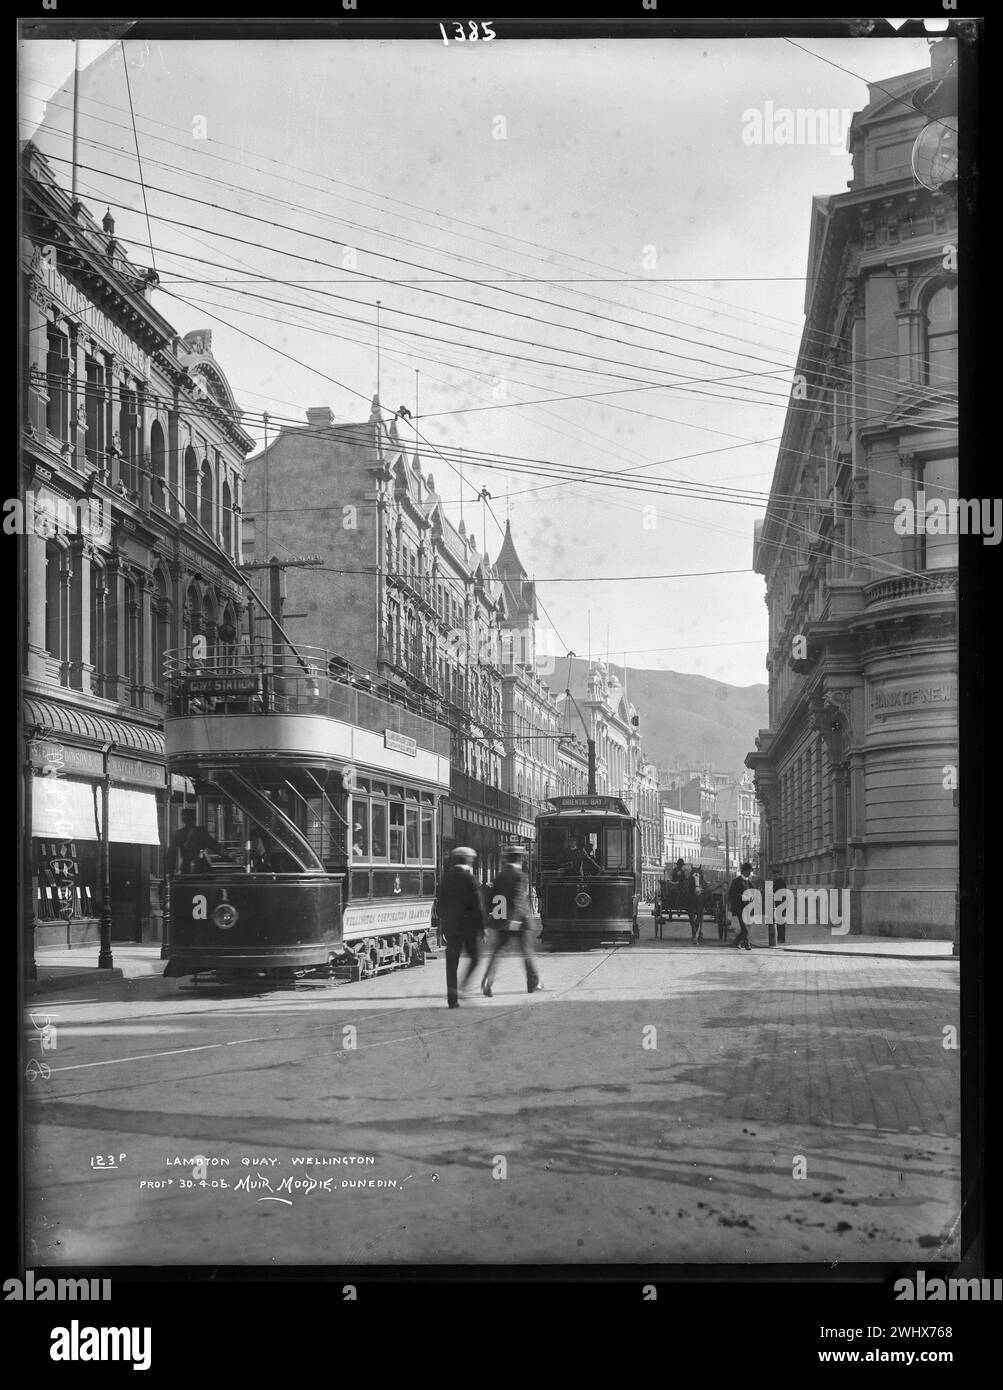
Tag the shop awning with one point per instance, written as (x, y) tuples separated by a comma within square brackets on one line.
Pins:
[(63, 808), (78, 723)]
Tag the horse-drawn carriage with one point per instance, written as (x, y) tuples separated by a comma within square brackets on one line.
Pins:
[(694, 902)]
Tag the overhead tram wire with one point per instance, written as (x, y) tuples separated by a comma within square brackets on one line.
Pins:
[(288, 203), (139, 161), (564, 474), (548, 347), (636, 347), (716, 304), (751, 398)]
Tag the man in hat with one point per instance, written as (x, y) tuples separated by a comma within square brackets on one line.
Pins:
[(461, 917), (189, 844), (512, 914)]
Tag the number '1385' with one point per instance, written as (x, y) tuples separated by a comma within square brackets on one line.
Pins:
[(460, 37)]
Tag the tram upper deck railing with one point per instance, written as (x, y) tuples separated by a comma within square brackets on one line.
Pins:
[(266, 678)]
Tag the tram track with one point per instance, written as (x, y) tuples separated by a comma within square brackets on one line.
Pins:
[(481, 1016)]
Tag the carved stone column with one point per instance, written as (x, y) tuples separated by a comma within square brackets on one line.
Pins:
[(172, 466), (145, 675), (80, 669), (116, 618), (99, 633)]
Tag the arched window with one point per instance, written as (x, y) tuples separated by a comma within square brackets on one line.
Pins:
[(206, 500), (128, 428), (158, 467), (193, 617), (56, 634), (191, 484), (941, 347), (227, 519), (210, 623)]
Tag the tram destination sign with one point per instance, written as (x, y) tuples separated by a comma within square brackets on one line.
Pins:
[(400, 743), (219, 684), (589, 803)]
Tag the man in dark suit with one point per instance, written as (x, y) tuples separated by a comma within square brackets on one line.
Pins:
[(461, 917), (189, 843), (512, 914)]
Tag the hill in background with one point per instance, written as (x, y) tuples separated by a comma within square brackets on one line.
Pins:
[(694, 719)]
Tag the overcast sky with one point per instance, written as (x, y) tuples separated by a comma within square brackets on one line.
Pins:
[(525, 162)]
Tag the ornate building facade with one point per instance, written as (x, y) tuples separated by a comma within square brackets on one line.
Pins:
[(854, 772), (131, 470), (530, 711), (400, 593)]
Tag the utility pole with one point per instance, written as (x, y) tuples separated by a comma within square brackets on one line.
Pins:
[(276, 598)]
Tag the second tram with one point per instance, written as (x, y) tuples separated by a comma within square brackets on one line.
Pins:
[(588, 871)]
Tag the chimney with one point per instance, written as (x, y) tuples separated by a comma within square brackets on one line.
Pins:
[(321, 415)]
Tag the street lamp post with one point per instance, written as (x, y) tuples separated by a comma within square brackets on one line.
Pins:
[(105, 960)]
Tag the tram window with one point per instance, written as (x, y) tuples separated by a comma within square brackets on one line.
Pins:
[(412, 794), (379, 789), (362, 783), (396, 832), (379, 830), (360, 828), (553, 846), (618, 847), (396, 793), (411, 836), (427, 835)]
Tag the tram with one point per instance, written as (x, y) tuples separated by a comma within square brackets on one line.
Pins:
[(588, 871), (320, 799)]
